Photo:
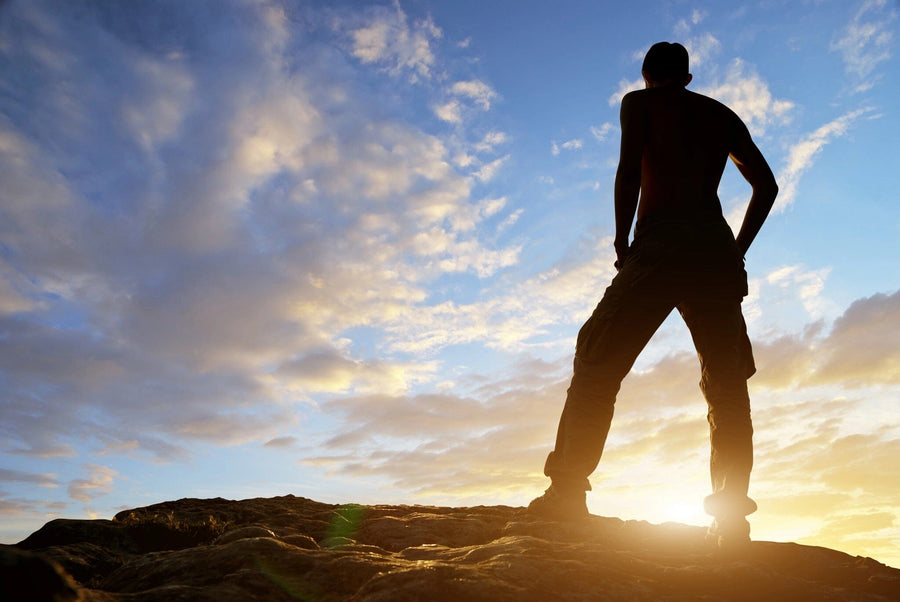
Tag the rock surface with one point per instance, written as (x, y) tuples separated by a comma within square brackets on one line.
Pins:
[(292, 548)]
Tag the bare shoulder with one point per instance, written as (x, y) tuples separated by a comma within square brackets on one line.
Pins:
[(713, 106), (634, 98), (717, 115)]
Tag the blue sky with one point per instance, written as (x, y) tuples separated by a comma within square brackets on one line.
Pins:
[(342, 250)]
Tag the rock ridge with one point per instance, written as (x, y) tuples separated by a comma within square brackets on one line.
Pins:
[(294, 548)]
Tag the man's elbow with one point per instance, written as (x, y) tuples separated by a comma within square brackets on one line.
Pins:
[(773, 189), (766, 189)]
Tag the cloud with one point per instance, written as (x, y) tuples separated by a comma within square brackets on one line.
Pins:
[(189, 219), (491, 140), (476, 90), (802, 154), (515, 317), (857, 352), (602, 132), (807, 284), (98, 482), (11, 302), (18, 476), (450, 111), (281, 443), (701, 48), (860, 348), (387, 38), (866, 42), (510, 220), (331, 372), (574, 144), (489, 170)]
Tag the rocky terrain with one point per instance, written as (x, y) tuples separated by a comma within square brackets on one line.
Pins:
[(292, 548)]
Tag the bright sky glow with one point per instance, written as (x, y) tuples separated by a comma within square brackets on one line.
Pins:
[(342, 250)]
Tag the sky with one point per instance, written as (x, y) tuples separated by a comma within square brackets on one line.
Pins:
[(342, 250)]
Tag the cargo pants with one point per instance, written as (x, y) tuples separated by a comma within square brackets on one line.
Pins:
[(696, 267)]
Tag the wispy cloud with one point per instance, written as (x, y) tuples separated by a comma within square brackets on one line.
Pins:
[(19, 476), (489, 170), (387, 38), (701, 48), (475, 91), (98, 482), (866, 42), (602, 132), (479, 92), (568, 145), (490, 141)]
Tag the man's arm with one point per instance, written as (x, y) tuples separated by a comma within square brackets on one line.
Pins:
[(628, 175), (753, 166)]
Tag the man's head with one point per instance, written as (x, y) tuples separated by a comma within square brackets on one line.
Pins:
[(666, 63)]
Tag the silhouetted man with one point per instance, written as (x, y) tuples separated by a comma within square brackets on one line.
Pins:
[(675, 145)]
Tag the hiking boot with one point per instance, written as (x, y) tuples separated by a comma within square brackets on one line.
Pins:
[(560, 505), (729, 536)]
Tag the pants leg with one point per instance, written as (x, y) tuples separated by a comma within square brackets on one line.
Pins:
[(608, 344), (720, 337)]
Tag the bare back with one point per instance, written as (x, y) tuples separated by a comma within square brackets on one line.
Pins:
[(675, 145), (687, 139)]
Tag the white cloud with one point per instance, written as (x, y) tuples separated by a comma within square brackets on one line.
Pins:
[(701, 48), (387, 38), (866, 42), (473, 90), (450, 112), (808, 285), (574, 144), (510, 220), (489, 170), (491, 140), (511, 320), (478, 91), (462, 159), (601, 132)]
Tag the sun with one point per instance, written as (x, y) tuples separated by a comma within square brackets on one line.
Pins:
[(682, 512)]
